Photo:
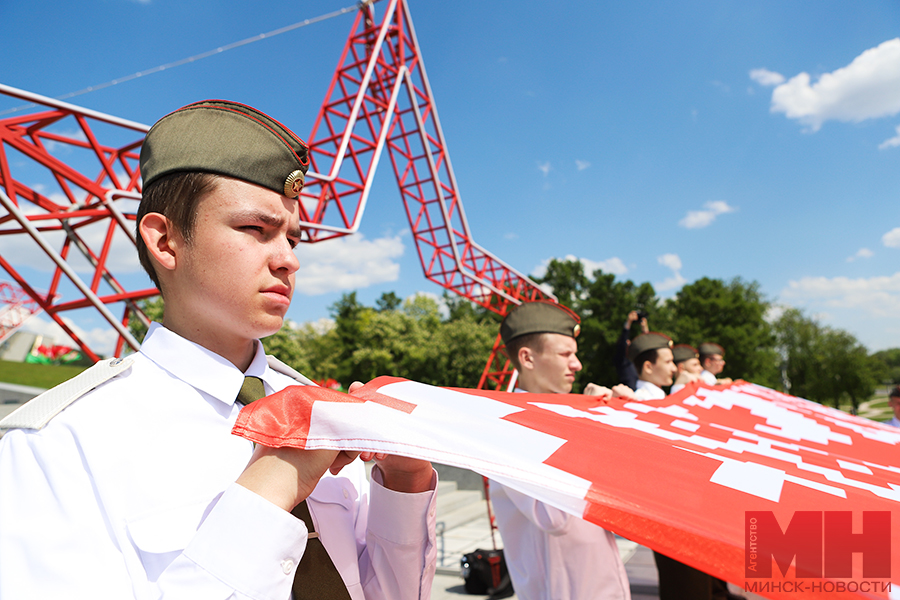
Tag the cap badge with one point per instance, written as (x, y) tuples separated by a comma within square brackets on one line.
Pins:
[(293, 184), (576, 330)]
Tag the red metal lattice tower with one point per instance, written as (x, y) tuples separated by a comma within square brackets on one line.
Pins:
[(16, 307), (79, 218), (379, 99)]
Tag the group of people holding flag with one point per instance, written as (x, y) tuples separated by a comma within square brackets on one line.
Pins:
[(126, 482)]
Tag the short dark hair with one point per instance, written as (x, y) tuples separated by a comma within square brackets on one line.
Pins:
[(895, 392), (535, 341), (174, 196), (640, 359)]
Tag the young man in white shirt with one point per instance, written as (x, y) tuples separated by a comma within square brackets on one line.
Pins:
[(712, 357), (652, 356), (687, 361), (549, 553), (137, 488), (654, 360)]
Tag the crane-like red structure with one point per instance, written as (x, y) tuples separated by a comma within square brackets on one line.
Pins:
[(379, 100)]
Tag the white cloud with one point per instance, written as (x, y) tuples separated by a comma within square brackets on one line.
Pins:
[(861, 253), (347, 263), (696, 219), (892, 238), (547, 289), (867, 88), (101, 340), (672, 261), (891, 142), (544, 168), (878, 296), (612, 265), (766, 77), (581, 165), (511, 236), (774, 312), (23, 251)]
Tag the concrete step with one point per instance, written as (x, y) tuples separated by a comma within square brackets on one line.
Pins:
[(462, 514), (446, 487), (448, 503)]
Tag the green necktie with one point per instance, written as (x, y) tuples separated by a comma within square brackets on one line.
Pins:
[(316, 578)]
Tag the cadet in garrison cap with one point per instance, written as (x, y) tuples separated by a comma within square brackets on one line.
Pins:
[(712, 358), (169, 502), (555, 555), (687, 360), (652, 356)]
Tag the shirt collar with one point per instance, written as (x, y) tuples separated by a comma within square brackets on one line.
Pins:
[(201, 368), (643, 384)]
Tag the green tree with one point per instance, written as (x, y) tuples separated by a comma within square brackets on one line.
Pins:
[(286, 346), (465, 344), (732, 314), (459, 308), (153, 308), (824, 364), (388, 301), (889, 365)]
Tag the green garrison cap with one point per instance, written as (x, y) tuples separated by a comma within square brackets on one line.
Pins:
[(683, 352), (226, 138), (711, 348), (541, 316), (648, 341)]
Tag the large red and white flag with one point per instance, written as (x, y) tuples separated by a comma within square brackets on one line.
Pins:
[(734, 480)]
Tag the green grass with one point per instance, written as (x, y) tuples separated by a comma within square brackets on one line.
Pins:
[(41, 376)]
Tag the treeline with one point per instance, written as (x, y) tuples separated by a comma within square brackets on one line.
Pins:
[(778, 348), (449, 345), (408, 339)]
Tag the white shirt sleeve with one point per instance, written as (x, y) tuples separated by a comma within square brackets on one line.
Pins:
[(401, 551), (544, 517)]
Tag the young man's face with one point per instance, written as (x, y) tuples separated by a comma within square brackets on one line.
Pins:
[(714, 364), (235, 279), (660, 373), (553, 369), (894, 403), (691, 365)]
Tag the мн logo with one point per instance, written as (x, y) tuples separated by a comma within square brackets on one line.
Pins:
[(823, 543)]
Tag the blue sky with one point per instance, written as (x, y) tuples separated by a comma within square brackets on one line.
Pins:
[(662, 142)]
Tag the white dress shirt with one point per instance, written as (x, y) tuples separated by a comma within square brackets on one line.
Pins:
[(552, 555), (648, 391), (708, 378), (894, 422), (130, 493)]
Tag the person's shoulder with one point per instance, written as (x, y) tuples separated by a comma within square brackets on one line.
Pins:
[(40, 410), (95, 393)]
